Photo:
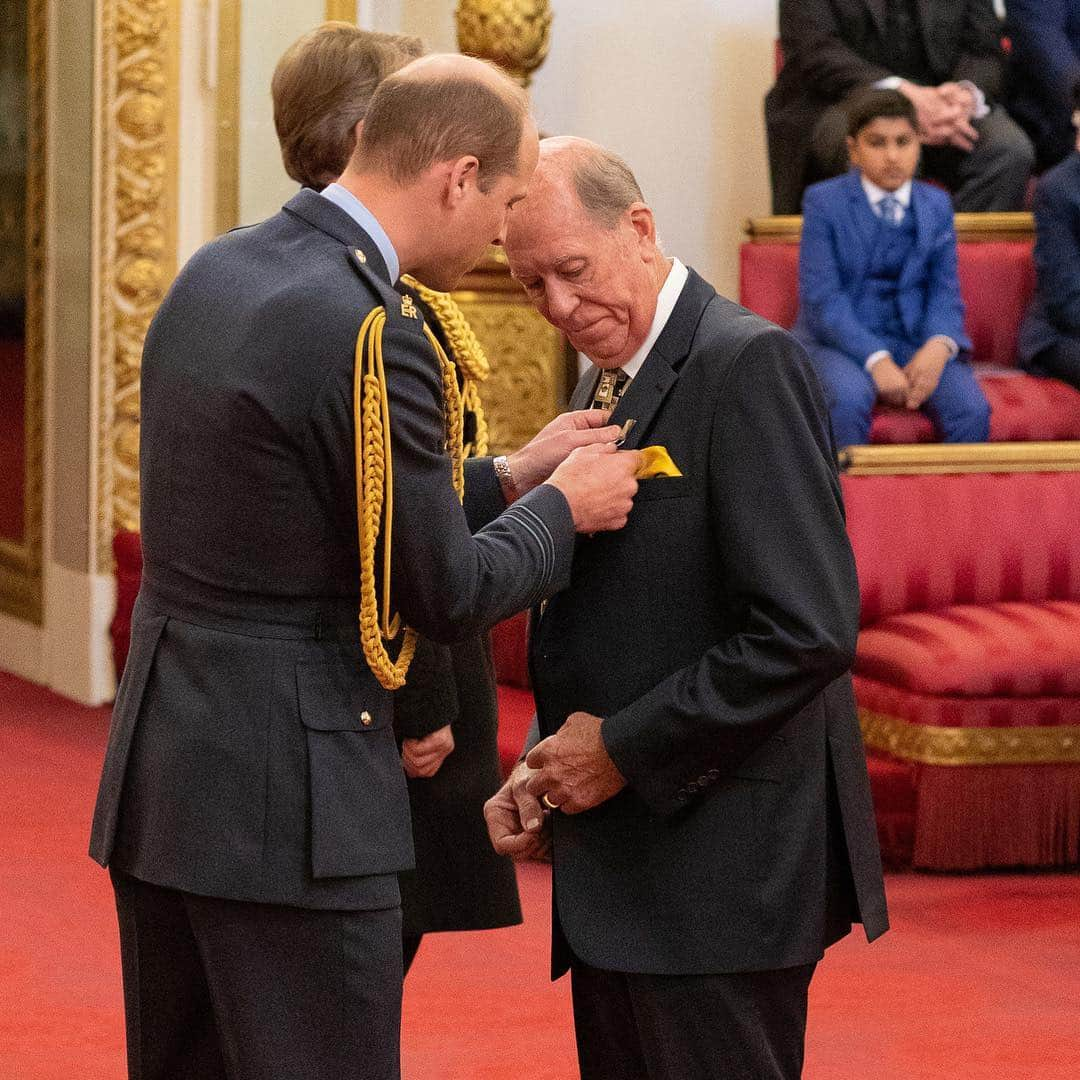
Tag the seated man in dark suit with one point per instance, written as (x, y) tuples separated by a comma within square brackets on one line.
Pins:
[(944, 55), (1044, 63), (1050, 334), (879, 300), (702, 763)]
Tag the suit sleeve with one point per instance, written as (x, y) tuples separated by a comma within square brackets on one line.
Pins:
[(1041, 47), (429, 699), (1057, 253), (812, 44), (944, 312), (446, 582), (776, 504), (981, 60), (830, 314)]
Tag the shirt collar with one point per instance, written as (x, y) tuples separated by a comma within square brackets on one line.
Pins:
[(875, 194), (363, 217), (665, 304)]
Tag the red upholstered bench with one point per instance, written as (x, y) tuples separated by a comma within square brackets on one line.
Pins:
[(509, 648), (996, 279), (968, 663)]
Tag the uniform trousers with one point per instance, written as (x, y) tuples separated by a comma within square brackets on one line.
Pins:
[(743, 1026), (229, 990)]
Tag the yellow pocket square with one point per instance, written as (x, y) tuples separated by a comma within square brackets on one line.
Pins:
[(656, 461)]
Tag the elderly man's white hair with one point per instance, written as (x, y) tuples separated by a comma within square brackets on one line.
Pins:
[(603, 181)]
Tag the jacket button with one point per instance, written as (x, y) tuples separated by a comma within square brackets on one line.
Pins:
[(682, 794), (702, 781), (691, 787), (365, 718), (714, 774)]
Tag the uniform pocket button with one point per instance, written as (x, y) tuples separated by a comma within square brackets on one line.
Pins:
[(365, 719)]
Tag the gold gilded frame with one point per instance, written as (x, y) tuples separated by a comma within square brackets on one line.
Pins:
[(138, 48), (341, 10), (20, 563), (227, 200)]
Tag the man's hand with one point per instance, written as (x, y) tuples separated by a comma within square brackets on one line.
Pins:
[(517, 824), (546, 450), (924, 371), (943, 113), (599, 484), (891, 382), (424, 757), (572, 766)]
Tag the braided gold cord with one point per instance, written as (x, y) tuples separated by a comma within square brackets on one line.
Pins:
[(375, 490), (469, 356)]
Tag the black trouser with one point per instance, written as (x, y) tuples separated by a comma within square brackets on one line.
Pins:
[(749, 1026), (410, 943), (1062, 361), (225, 989), (993, 175)]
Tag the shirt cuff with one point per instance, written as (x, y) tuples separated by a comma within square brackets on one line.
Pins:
[(980, 108), (953, 347), (891, 83), (874, 357)]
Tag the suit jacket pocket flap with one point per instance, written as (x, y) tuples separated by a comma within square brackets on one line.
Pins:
[(336, 697), (663, 487)]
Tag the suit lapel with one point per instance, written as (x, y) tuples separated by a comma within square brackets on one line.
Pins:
[(660, 371), (866, 222), (924, 239)]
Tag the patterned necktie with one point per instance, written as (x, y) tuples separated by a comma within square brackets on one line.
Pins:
[(890, 209), (610, 388)]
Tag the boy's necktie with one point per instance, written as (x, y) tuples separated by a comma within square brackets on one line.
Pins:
[(890, 209)]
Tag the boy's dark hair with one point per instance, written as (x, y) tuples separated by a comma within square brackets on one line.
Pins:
[(873, 105)]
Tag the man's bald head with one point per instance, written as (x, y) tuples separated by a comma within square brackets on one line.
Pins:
[(441, 108), (583, 244)]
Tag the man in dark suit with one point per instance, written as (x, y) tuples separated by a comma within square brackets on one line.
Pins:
[(252, 806), (945, 55), (1044, 65), (696, 748), (1050, 334)]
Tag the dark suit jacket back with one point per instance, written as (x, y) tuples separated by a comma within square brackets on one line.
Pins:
[(714, 634), (252, 754), (833, 47)]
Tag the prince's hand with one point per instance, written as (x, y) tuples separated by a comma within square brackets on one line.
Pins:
[(517, 826), (572, 767), (549, 448)]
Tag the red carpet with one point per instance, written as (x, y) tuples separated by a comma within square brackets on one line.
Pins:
[(979, 978), (12, 452)]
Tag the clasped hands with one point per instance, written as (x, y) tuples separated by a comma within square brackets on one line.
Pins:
[(909, 387), (944, 113), (571, 768)]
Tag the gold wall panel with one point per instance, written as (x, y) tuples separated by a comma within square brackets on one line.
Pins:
[(138, 80), (20, 562), (531, 367)]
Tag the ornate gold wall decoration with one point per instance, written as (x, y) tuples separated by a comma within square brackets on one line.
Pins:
[(341, 10), (138, 50), (20, 562), (515, 34), (531, 369)]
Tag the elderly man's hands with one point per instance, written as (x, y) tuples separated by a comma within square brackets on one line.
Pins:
[(572, 767), (424, 757), (517, 824), (549, 448)]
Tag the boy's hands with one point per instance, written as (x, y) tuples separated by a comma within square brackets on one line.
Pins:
[(891, 382), (924, 371)]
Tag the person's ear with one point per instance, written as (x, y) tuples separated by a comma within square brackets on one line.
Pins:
[(463, 175), (642, 221), (851, 147)]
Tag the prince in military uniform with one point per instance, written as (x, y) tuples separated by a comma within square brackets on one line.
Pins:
[(252, 808)]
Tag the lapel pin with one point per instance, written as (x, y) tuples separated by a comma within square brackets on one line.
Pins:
[(360, 256)]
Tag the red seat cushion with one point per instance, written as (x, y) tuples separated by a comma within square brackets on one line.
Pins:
[(965, 712), (927, 542), (994, 650), (1023, 408)]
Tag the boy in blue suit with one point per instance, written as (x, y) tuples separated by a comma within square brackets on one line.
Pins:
[(1050, 335), (879, 301)]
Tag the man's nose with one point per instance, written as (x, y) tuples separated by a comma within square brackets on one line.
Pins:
[(561, 301)]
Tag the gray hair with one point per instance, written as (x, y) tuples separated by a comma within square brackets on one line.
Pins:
[(605, 186)]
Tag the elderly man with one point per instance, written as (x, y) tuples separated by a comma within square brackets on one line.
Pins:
[(696, 766), (252, 807)]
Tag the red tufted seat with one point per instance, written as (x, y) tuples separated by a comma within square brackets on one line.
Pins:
[(968, 662), (996, 279)]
